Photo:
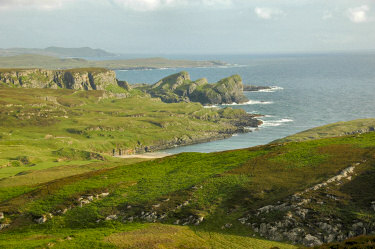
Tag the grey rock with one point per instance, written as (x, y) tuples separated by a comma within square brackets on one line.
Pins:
[(111, 217), (2, 226), (263, 229), (311, 241), (329, 238), (40, 220)]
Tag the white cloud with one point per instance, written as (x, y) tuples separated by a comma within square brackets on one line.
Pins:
[(359, 14), (36, 4), (143, 5), (150, 5), (327, 15), (267, 13)]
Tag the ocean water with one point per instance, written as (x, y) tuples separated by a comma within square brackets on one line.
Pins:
[(309, 91)]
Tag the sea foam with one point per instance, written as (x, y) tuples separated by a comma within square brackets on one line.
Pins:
[(272, 123), (252, 102)]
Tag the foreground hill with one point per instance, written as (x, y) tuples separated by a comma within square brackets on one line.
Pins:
[(51, 62), (180, 88), (307, 192)]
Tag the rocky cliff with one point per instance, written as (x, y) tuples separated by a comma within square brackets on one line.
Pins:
[(180, 88), (77, 79)]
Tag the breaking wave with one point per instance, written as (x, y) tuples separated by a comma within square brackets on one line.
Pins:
[(272, 123)]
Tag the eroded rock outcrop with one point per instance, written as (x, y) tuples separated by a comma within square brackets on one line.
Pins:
[(77, 79), (180, 88), (298, 220)]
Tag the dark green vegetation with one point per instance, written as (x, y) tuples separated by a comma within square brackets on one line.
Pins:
[(50, 62), (361, 242), (215, 189), (179, 88), (57, 51)]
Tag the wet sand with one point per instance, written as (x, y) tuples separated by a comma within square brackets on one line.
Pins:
[(147, 155)]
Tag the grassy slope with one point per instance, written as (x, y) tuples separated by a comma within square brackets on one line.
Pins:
[(49, 62), (332, 130), (233, 182)]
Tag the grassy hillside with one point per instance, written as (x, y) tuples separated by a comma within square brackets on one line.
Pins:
[(205, 193), (332, 130), (42, 128), (50, 62)]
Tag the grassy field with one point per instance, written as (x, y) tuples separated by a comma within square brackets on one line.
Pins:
[(50, 62)]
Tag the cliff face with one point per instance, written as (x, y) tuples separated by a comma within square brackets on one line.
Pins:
[(178, 88), (77, 79)]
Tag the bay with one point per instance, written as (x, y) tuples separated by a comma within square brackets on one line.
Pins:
[(310, 91)]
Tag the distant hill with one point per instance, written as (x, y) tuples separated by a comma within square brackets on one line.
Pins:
[(54, 62), (58, 51)]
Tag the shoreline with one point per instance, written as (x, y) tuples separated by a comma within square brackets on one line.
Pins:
[(148, 155)]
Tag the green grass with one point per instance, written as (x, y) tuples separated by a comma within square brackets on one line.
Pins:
[(332, 130)]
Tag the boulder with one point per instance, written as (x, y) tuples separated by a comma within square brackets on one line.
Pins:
[(2, 226), (111, 217), (311, 241), (40, 220)]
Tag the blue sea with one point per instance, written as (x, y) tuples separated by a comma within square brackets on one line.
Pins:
[(309, 91)]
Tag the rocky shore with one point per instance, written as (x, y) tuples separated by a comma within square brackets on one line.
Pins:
[(242, 124), (252, 88)]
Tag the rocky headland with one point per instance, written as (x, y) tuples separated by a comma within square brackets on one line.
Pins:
[(180, 88), (76, 79)]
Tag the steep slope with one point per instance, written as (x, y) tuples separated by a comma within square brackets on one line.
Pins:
[(179, 88)]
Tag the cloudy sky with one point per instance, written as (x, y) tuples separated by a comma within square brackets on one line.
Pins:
[(190, 26)]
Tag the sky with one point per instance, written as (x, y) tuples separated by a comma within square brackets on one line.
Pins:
[(190, 26)]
